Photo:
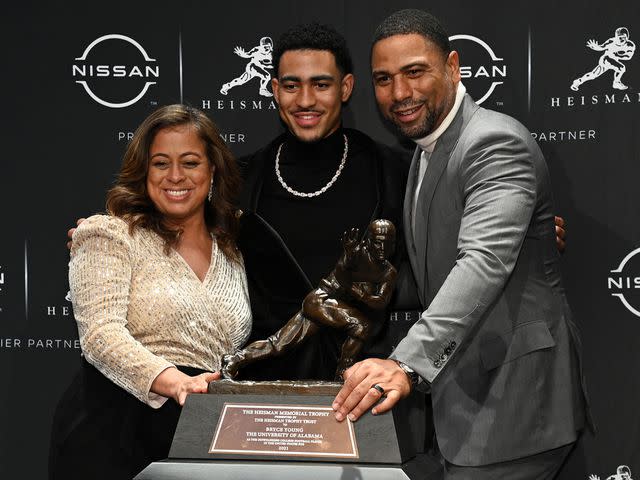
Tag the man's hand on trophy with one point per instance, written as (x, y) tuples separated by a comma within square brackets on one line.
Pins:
[(71, 231), (366, 383)]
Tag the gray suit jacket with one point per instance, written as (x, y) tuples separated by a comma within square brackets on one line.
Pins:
[(496, 340)]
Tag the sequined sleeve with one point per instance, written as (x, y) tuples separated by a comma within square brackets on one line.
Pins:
[(100, 277)]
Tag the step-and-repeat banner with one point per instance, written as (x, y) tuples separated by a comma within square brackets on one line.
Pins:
[(78, 79)]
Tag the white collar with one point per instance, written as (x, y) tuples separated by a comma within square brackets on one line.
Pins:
[(428, 143)]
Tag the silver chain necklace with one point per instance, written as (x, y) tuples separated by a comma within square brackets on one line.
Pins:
[(323, 189)]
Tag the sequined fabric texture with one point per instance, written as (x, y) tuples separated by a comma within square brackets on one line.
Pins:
[(140, 311)]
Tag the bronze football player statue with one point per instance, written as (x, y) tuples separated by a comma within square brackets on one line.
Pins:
[(362, 277)]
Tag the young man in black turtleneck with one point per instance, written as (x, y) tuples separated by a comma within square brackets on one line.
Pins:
[(308, 186)]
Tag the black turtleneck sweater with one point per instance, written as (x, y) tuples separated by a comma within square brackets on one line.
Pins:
[(312, 227)]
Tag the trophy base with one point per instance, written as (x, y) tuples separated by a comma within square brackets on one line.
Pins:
[(374, 447), (422, 466)]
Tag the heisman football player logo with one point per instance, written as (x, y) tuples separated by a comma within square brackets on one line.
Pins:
[(258, 66)]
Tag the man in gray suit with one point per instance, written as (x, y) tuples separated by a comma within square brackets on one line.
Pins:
[(496, 345)]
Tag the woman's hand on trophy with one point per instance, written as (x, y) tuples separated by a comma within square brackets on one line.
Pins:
[(366, 383), (177, 385)]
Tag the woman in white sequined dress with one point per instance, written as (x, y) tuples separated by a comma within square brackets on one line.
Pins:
[(159, 294)]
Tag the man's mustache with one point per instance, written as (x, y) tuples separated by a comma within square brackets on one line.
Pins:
[(406, 104), (306, 111)]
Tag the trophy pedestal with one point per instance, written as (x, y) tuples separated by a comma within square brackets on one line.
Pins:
[(281, 431), (420, 467)]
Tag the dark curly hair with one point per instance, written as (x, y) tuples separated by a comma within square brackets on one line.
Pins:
[(411, 20), (129, 200), (314, 36)]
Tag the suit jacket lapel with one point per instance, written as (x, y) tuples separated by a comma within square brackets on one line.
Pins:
[(437, 164), (407, 215)]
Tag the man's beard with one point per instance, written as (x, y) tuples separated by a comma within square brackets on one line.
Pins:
[(416, 131)]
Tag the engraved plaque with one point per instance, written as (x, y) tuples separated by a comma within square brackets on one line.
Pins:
[(283, 430)]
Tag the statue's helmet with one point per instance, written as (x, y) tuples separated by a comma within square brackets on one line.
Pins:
[(623, 470), (622, 32), (382, 237)]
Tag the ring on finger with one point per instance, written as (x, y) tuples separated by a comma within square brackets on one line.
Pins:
[(377, 387)]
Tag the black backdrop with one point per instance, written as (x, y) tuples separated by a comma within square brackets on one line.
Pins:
[(64, 146)]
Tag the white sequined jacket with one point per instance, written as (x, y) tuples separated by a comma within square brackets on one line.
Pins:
[(140, 311)]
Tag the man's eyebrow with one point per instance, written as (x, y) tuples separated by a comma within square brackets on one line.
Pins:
[(319, 78), (413, 65), (289, 78), (314, 78), (404, 68)]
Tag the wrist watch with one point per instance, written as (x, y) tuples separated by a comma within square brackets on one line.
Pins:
[(414, 378)]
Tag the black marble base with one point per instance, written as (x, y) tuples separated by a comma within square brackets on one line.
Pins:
[(380, 439)]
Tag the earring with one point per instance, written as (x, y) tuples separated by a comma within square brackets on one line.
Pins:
[(210, 195)]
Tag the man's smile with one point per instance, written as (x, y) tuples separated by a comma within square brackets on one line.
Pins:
[(408, 114), (307, 119)]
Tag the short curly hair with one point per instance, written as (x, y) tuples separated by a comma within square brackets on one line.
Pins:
[(314, 36), (411, 20)]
